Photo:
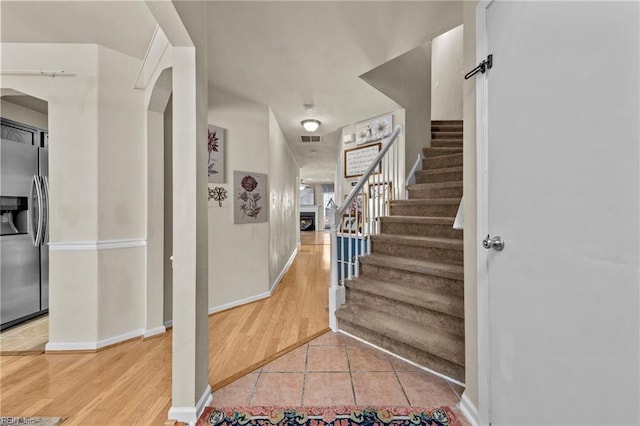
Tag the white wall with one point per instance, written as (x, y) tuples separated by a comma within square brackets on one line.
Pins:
[(447, 75), (343, 187), (284, 225), (23, 115), (239, 265), (96, 167), (121, 193), (405, 79)]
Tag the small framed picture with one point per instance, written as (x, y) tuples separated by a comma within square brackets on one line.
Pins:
[(382, 190), (351, 224)]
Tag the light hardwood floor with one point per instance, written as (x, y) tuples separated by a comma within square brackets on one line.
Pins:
[(131, 383)]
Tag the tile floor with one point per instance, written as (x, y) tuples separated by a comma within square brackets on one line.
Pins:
[(28, 338), (337, 370)]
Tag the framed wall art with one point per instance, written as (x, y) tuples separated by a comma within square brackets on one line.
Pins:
[(357, 160), (374, 129), (215, 149), (250, 194)]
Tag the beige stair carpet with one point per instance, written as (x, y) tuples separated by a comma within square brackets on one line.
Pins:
[(408, 298)]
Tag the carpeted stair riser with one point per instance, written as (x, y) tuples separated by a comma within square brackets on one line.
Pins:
[(446, 304), (420, 229), (413, 313), (429, 210), (446, 135), (426, 338), (438, 190), (451, 160), (418, 356), (435, 254), (414, 279), (439, 175), (447, 127), (438, 152), (446, 143)]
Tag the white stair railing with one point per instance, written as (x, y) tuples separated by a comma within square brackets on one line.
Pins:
[(358, 217)]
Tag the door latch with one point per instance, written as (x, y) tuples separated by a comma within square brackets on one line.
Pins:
[(496, 243)]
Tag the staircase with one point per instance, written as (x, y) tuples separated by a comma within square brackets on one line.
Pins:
[(408, 298)]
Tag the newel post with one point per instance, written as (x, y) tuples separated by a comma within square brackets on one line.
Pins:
[(336, 292)]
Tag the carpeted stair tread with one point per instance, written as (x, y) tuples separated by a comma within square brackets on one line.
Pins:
[(410, 240), (439, 302), (446, 143), (419, 220), (435, 185), (441, 170), (439, 151), (426, 201), (455, 272), (427, 339)]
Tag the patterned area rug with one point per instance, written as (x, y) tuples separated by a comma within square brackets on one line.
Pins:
[(327, 416), (31, 421)]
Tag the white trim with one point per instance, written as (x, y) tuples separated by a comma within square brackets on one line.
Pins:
[(240, 302), (150, 332), (447, 378), (155, 51), (97, 245), (484, 364), (286, 267), (469, 409), (190, 415), (92, 346), (168, 324)]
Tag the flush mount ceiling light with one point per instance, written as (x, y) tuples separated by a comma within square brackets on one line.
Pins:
[(310, 125)]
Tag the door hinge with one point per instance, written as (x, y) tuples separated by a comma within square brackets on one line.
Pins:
[(482, 67)]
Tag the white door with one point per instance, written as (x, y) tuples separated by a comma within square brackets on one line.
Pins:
[(559, 181)]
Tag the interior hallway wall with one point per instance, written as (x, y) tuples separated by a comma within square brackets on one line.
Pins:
[(406, 80), (168, 212), (446, 75), (284, 205), (238, 254)]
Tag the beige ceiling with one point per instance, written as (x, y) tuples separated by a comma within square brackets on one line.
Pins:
[(281, 54), (125, 26)]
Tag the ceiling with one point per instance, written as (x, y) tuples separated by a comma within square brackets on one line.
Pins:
[(280, 54), (125, 26), (286, 54), (28, 102)]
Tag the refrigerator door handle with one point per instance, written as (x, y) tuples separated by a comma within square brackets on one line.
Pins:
[(45, 210), (36, 228)]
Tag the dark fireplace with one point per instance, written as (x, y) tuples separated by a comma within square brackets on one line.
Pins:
[(307, 221)]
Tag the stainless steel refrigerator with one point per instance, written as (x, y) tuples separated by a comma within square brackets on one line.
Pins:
[(24, 221)]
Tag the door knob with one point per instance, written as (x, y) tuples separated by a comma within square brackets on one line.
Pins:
[(496, 243)]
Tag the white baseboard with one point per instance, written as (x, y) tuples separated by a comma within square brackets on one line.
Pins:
[(150, 332), (240, 302), (92, 346), (435, 373), (190, 415), (469, 410), (276, 283), (168, 324), (96, 244)]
